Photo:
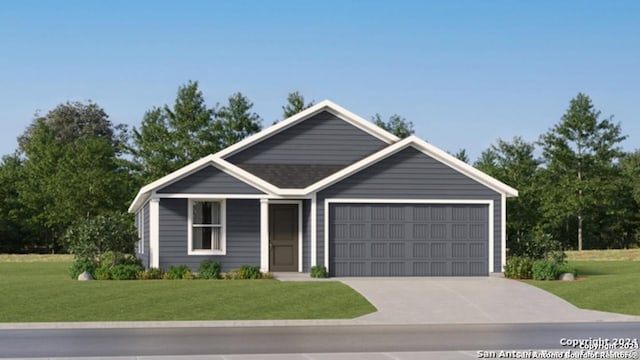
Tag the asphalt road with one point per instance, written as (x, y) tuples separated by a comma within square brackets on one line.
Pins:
[(300, 339)]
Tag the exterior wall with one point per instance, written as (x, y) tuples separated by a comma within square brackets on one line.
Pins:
[(144, 227), (209, 180), (242, 235), (410, 174), (323, 139)]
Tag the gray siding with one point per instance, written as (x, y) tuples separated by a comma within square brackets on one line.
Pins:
[(323, 139), (144, 226), (209, 180), (242, 231), (410, 174)]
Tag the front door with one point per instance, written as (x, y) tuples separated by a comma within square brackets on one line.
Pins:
[(283, 237)]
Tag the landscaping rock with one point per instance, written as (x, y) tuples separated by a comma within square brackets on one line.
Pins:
[(85, 276), (566, 277)]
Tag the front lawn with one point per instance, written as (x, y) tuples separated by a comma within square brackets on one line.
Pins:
[(43, 292), (612, 286)]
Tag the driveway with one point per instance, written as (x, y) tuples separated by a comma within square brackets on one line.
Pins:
[(467, 301)]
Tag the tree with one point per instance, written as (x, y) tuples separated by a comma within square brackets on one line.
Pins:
[(626, 210), (579, 154), (170, 138), (71, 169), (295, 104), (515, 164), (462, 155), (236, 121), (396, 125), (16, 237)]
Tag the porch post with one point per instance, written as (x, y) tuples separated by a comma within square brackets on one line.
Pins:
[(154, 232), (264, 235)]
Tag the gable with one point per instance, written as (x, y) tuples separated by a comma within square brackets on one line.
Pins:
[(209, 180), (322, 139), (409, 173)]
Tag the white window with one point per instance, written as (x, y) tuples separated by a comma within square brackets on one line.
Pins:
[(140, 225), (206, 227)]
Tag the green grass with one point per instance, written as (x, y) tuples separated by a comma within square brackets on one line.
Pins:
[(604, 255), (612, 286), (43, 292)]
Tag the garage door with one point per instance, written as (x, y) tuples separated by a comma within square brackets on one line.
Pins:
[(408, 240)]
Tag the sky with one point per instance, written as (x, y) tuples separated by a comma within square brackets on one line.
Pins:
[(466, 73)]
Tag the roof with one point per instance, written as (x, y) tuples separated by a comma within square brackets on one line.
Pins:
[(272, 181)]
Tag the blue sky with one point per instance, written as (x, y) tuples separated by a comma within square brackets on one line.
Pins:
[(464, 72)]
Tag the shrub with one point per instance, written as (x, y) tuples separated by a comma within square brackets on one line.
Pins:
[(566, 268), (319, 272), (92, 238), (151, 274), (249, 272), (81, 265), (179, 272), (518, 267), (209, 270), (545, 270), (125, 272), (246, 272), (103, 273), (538, 245)]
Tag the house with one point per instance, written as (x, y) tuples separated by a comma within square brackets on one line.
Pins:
[(326, 187)]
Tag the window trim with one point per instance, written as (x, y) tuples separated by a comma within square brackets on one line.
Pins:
[(222, 227)]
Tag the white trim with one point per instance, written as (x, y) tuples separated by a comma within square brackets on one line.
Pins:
[(269, 190), (325, 105), (491, 238), (408, 201), (313, 231), (264, 235), (211, 196), (300, 232), (222, 226), (210, 160), (325, 212), (490, 219), (503, 231), (154, 233), (424, 147)]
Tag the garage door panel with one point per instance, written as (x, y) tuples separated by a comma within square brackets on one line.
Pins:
[(408, 240)]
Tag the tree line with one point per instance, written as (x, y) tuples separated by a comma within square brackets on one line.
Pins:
[(72, 164)]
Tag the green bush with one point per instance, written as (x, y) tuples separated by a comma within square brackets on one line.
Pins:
[(537, 245), (93, 238), (518, 267), (566, 268), (209, 270), (249, 272), (246, 272), (125, 272), (103, 272), (81, 265), (319, 272), (179, 272), (151, 274), (545, 270)]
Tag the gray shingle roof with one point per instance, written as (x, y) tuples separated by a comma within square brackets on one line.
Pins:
[(291, 176)]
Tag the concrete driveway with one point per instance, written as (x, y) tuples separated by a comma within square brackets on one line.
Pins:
[(467, 301)]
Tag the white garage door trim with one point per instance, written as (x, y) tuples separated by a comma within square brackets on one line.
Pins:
[(327, 202)]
